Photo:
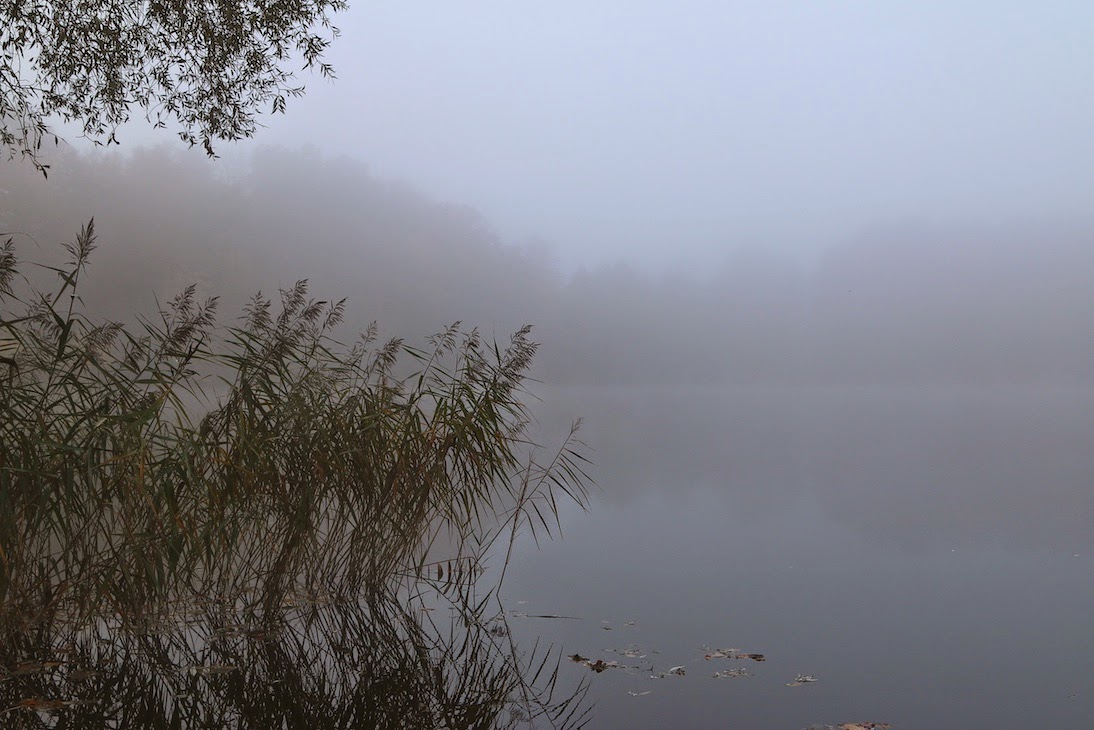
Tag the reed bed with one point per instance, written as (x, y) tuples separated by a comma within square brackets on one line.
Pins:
[(181, 461)]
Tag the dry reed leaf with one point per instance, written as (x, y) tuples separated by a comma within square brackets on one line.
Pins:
[(208, 669)]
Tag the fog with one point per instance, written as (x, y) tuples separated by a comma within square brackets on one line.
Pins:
[(899, 305), (817, 277), (667, 134), (921, 383), (701, 192)]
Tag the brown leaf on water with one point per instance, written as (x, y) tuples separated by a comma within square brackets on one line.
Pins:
[(731, 673), (722, 654), (598, 666), (734, 654)]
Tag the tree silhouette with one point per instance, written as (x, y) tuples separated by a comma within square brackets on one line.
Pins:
[(208, 66)]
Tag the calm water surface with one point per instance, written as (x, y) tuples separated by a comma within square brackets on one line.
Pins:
[(926, 554)]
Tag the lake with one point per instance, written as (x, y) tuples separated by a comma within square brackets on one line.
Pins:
[(925, 554), (755, 558)]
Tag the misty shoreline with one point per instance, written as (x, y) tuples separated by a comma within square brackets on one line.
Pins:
[(964, 306)]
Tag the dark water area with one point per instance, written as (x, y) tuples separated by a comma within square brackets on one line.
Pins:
[(926, 555)]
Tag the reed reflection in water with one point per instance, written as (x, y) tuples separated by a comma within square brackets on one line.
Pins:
[(429, 661)]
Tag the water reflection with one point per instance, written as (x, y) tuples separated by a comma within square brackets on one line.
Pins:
[(418, 662), (915, 466), (924, 553)]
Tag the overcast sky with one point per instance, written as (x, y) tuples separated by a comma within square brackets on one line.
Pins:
[(669, 132)]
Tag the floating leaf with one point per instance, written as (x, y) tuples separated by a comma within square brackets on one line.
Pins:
[(734, 654), (598, 666), (802, 679), (731, 673), (722, 654)]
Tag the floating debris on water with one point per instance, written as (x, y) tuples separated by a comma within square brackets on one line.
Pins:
[(598, 666), (731, 673), (802, 679), (518, 614), (631, 652), (734, 654), (722, 654)]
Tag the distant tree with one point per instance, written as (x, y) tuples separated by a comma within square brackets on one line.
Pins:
[(209, 66)]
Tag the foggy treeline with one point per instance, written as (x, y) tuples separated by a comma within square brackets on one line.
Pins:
[(901, 304)]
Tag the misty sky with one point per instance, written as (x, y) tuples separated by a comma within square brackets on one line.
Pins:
[(669, 133), (661, 132)]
